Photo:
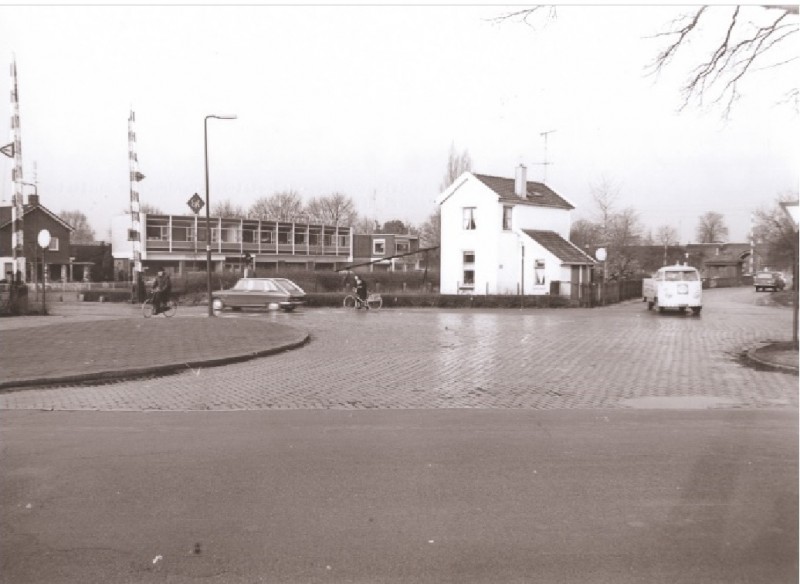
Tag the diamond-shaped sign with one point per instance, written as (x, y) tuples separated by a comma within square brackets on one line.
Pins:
[(195, 203)]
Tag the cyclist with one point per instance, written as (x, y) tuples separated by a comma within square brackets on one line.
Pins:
[(361, 292), (162, 288)]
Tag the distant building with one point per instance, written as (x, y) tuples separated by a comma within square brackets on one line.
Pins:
[(178, 243), (380, 251), (92, 262), (57, 256), (508, 236)]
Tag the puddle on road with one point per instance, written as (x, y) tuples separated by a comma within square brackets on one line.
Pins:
[(696, 402)]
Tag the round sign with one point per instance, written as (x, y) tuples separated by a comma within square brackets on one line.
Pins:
[(44, 238), (600, 254)]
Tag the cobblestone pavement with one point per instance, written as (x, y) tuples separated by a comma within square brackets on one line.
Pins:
[(609, 357)]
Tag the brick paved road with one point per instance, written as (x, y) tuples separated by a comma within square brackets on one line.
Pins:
[(617, 356)]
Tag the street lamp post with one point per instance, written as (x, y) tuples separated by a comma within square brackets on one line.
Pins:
[(208, 209), (44, 241), (792, 209)]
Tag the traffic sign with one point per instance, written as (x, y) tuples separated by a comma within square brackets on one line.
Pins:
[(195, 203)]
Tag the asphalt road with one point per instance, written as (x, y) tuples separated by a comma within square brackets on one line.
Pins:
[(568, 496), (602, 446)]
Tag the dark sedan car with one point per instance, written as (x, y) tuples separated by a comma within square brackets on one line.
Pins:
[(764, 280), (269, 293)]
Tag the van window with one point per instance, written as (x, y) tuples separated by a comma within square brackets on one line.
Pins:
[(681, 276)]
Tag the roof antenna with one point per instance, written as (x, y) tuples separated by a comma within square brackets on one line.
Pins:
[(546, 163)]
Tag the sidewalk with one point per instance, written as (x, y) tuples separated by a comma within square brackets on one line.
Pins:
[(121, 344), (776, 355)]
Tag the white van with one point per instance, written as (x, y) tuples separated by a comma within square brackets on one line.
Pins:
[(678, 287)]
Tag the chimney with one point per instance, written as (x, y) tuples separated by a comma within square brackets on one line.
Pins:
[(521, 182), (33, 200)]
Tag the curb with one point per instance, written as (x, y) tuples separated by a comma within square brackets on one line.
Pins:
[(750, 354), (137, 372)]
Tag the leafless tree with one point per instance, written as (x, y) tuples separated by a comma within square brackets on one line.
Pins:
[(457, 164), (743, 40), (334, 209), (605, 193), (775, 229), (585, 233), (750, 39), (667, 235), (227, 209), (77, 220), (282, 206), (711, 228), (430, 235), (150, 209), (366, 225)]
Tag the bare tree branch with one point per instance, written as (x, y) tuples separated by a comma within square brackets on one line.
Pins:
[(740, 51)]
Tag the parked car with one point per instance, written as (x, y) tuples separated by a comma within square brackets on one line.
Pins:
[(269, 293), (764, 280)]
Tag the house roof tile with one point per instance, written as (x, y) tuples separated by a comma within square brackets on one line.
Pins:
[(564, 250), (539, 194)]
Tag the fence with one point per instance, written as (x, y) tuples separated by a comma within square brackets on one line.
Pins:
[(600, 294)]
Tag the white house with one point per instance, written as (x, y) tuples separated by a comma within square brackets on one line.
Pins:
[(508, 236)]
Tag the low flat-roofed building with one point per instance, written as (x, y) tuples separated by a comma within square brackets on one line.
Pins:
[(178, 243)]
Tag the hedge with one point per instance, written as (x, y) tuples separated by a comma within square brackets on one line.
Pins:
[(448, 301)]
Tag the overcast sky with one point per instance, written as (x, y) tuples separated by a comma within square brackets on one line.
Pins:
[(366, 100)]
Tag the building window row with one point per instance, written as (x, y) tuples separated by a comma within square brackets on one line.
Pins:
[(468, 268)]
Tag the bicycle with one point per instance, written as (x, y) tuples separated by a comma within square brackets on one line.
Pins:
[(169, 311), (373, 302)]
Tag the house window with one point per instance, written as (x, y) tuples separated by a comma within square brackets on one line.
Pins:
[(469, 218), (379, 247), (266, 237), (402, 247), (538, 272), (183, 234), (157, 232), (469, 268), (507, 218), (249, 234), (53, 244), (231, 234)]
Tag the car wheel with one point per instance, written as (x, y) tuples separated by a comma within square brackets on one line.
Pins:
[(217, 304), (696, 310)]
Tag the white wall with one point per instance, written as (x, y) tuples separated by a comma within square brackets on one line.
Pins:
[(542, 218), (121, 248), (482, 240), (552, 268)]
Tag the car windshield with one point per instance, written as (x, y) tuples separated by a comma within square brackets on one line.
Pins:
[(289, 286), (681, 276), (255, 286)]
